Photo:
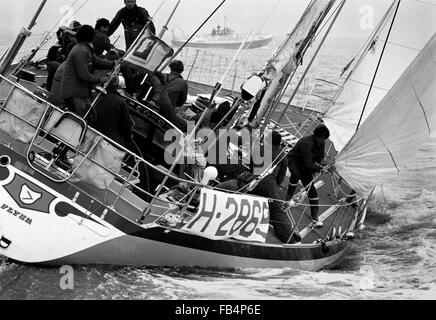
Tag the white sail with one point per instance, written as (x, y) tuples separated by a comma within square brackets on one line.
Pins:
[(284, 61), (414, 25), (390, 137)]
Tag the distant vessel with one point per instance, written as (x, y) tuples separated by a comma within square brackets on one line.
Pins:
[(224, 38)]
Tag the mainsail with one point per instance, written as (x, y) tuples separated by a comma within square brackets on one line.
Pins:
[(393, 133), (413, 26), (284, 62)]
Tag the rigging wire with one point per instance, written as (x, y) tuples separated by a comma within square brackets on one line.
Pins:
[(157, 10), (325, 24), (63, 17), (192, 36), (47, 37), (378, 65), (365, 48), (269, 15)]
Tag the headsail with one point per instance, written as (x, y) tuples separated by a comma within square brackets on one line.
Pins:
[(414, 25), (390, 137)]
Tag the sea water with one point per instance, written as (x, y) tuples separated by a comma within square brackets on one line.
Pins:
[(393, 258)]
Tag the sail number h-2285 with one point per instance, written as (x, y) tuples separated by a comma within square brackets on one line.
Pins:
[(223, 216)]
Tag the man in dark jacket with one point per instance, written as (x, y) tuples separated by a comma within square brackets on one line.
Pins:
[(113, 118), (55, 57), (54, 97), (101, 41), (78, 77), (269, 188), (303, 161), (134, 19), (176, 86)]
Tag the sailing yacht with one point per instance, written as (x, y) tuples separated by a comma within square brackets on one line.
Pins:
[(116, 206)]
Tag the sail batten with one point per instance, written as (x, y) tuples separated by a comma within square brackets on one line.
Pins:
[(390, 137)]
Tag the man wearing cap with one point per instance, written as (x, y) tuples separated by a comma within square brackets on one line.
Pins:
[(134, 19), (69, 36)]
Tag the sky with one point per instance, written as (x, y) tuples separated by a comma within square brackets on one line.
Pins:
[(277, 17)]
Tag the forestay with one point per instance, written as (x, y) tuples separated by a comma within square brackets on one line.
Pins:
[(413, 27), (390, 137), (223, 216)]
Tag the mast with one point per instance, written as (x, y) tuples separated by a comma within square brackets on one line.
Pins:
[(311, 61), (19, 41), (281, 68)]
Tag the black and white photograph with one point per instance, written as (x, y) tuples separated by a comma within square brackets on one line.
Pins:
[(218, 150)]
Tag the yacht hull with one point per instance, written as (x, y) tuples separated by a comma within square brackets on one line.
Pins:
[(48, 223)]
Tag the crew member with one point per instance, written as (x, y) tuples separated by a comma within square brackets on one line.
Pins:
[(268, 187), (303, 161), (101, 41), (113, 118), (159, 98), (78, 77), (244, 179), (176, 86), (69, 36), (55, 57), (134, 19), (54, 97)]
